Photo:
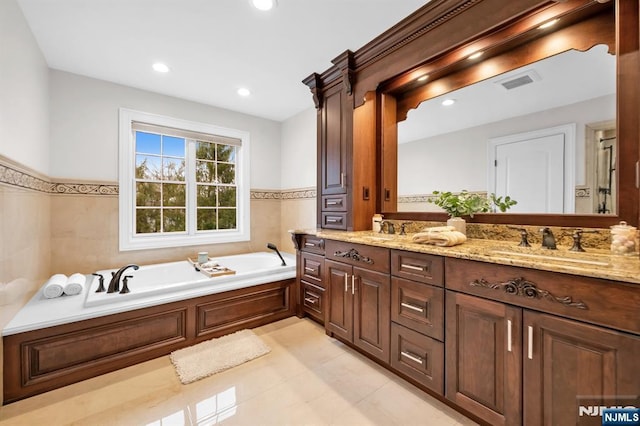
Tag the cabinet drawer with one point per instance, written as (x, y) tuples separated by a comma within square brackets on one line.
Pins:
[(334, 220), (417, 306), (313, 300), (312, 266), (312, 244), (334, 203), (425, 268), (418, 356), (369, 257), (610, 303)]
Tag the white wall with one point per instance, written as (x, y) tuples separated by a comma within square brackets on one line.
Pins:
[(24, 92), (457, 160), (84, 128), (299, 151)]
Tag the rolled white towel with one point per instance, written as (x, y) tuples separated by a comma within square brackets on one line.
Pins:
[(55, 286), (75, 284)]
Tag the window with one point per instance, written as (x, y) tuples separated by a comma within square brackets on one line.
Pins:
[(181, 183)]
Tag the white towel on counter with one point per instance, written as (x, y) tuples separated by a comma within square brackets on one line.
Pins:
[(75, 284), (440, 237), (55, 286)]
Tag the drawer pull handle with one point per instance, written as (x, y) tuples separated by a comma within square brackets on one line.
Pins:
[(412, 357), (346, 285), (310, 300), (306, 268), (530, 345), (414, 268), (332, 220), (412, 307), (309, 245), (509, 335), (334, 203)]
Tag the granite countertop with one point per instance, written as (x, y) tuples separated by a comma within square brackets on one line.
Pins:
[(596, 263)]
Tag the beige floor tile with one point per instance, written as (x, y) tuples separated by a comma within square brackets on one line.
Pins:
[(306, 379)]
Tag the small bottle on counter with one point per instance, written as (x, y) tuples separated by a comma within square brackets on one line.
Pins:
[(377, 221), (623, 239)]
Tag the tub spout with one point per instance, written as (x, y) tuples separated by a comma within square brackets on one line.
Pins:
[(114, 284), (271, 246)]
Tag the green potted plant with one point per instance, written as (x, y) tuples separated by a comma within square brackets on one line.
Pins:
[(467, 203)]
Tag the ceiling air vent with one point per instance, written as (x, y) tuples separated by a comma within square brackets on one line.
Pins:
[(518, 80)]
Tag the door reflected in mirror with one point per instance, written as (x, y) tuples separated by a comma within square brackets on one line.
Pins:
[(507, 135)]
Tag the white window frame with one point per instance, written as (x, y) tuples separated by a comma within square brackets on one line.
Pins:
[(128, 240)]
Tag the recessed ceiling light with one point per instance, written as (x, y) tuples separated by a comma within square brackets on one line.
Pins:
[(475, 55), (243, 91), (548, 24), (448, 102), (160, 67), (264, 4), (423, 77)]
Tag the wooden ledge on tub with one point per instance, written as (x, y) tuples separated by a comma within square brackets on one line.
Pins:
[(211, 271)]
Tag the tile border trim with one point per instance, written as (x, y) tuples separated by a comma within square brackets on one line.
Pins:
[(14, 175)]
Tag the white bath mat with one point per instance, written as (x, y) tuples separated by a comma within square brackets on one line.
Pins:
[(211, 357)]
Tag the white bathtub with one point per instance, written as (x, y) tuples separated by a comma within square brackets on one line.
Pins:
[(152, 285), (163, 280)]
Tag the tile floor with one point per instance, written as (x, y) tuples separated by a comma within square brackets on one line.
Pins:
[(306, 379)]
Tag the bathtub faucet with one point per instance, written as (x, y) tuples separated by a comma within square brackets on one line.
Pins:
[(114, 284), (273, 247)]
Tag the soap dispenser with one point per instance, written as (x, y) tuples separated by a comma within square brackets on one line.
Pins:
[(377, 222)]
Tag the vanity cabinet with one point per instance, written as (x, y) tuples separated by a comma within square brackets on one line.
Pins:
[(310, 275), (358, 283), (513, 357), (346, 174), (417, 315)]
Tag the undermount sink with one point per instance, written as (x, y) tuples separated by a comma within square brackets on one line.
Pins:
[(552, 256)]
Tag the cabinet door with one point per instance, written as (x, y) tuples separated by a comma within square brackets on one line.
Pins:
[(568, 364), (340, 307), (484, 358), (372, 307), (333, 143)]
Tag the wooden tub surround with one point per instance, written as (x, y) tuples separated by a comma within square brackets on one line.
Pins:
[(41, 360)]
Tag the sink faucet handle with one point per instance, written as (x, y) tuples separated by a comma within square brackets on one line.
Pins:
[(524, 242), (577, 244), (403, 226)]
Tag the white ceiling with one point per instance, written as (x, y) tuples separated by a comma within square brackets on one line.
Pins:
[(213, 47), (565, 79)]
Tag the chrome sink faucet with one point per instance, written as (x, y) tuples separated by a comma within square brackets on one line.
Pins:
[(114, 284), (548, 239)]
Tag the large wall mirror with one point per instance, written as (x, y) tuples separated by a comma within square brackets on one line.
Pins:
[(548, 121), (543, 134)]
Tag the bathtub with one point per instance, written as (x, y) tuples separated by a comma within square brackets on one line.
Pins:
[(166, 279), (151, 285)]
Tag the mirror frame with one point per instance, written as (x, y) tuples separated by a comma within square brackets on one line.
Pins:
[(514, 43)]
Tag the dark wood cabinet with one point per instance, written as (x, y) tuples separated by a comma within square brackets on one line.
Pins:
[(417, 315), (568, 364), (346, 173), (310, 277), (484, 364), (358, 285), (358, 309), (510, 365)]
